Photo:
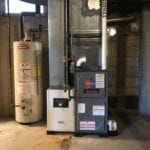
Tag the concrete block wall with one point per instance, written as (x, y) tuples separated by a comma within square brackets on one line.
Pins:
[(123, 67), (6, 91), (144, 106)]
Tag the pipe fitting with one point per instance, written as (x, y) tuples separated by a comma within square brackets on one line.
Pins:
[(80, 61)]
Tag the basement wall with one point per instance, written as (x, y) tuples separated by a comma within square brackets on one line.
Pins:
[(123, 69), (6, 82), (144, 106)]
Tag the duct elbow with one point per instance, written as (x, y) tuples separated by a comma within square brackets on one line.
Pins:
[(80, 61)]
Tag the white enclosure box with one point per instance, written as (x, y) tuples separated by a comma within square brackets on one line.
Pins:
[(27, 58), (60, 111)]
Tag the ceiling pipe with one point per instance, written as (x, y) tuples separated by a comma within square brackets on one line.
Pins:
[(121, 20)]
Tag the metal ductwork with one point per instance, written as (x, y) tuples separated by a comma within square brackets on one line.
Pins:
[(40, 2)]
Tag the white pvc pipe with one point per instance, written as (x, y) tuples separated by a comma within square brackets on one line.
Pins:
[(104, 34), (81, 61)]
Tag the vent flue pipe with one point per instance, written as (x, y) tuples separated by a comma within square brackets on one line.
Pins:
[(120, 20), (104, 34)]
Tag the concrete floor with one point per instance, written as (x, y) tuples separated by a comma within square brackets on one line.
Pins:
[(134, 135)]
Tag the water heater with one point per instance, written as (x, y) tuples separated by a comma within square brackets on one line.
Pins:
[(27, 58)]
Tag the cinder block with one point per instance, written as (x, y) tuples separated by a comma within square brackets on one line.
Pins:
[(112, 61), (112, 81), (131, 92), (113, 91), (132, 61), (112, 48), (131, 71), (132, 51), (131, 102), (131, 82), (112, 71), (132, 40)]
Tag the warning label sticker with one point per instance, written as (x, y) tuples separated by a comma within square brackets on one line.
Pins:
[(25, 72), (87, 125), (21, 87), (25, 66), (33, 88), (25, 69), (81, 108), (37, 71), (100, 77), (98, 110), (100, 80)]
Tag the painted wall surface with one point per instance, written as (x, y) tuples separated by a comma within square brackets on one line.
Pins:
[(145, 64)]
